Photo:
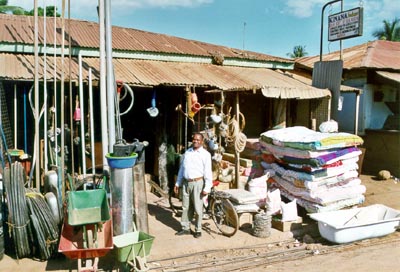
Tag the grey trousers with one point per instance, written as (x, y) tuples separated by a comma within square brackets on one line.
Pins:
[(192, 204)]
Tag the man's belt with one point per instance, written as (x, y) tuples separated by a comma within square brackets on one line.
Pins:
[(194, 179)]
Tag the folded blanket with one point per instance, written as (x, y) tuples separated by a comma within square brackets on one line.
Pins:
[(313, 207), (323, 197), (329, 157), (330, 172), (241, 196), (327, 182), (269, 148), (303, 138), (243, 208), (320, 169), (331, 182)]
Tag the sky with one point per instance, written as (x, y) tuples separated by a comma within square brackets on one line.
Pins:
[(272, 27)]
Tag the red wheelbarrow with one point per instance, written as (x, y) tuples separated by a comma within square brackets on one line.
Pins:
[(88, 233)]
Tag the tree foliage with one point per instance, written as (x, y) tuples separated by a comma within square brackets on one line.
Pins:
[(298, 52), (5, 8), (389, 32)]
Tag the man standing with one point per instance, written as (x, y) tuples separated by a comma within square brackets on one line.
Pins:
[(195, 178)]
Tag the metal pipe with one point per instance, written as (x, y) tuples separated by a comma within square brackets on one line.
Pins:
[(71, 121), (15, 116), (62, 180), (91, 121), (357, 113), (82, 121), (122, 199), (110, 78), (36, 84), (45, 146), (341, 41), (237, 153), (186, 119), (103, 88), (322, 26), (55, 83)]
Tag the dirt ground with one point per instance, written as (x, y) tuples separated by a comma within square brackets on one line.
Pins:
[(281, 251)]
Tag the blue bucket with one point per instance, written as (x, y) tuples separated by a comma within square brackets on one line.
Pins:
[(121, 162)]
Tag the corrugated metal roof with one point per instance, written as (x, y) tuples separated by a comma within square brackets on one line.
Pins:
[(389, 75), (373, 55), (291, 93), (20, 30), (154, 73), (306, 80)]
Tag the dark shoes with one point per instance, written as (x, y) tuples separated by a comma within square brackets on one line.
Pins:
[(183, 232), (187, 232)]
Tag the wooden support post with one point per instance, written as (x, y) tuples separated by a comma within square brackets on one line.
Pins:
[(140, 198)]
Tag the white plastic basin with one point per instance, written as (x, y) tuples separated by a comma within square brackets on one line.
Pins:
[(345, 226)]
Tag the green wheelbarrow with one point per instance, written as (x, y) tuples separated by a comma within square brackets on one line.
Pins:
[(88, 207), (132, 249)]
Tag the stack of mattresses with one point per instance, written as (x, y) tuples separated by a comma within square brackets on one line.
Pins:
[(317, 169)]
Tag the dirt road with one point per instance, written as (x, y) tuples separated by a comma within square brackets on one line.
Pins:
[(281, 251)]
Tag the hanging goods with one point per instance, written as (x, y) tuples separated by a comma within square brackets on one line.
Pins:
[(192, 103), (153, 111)]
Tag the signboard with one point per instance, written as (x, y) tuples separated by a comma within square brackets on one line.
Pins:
[(346, 24)]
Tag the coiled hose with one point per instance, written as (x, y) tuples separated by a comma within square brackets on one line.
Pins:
[(30, 220), (45, 235), (18, 218)]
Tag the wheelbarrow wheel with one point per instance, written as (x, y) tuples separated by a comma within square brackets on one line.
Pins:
[(140, 264), (224, 216)]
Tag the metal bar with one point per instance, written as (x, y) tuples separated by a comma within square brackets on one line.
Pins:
[(82, 121), (36, 110), (91, 122), (103, 88), (322, 26), (110, 78)]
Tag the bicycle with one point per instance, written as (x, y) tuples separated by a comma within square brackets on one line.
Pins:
[(223, 212)]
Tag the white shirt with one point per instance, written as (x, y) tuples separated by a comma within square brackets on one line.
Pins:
[(194, 164)]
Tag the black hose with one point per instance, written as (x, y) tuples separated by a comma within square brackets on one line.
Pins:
[(18, 218), (44, 224), (31, 223)]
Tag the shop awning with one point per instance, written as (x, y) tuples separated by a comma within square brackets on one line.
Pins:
[(150, 73)]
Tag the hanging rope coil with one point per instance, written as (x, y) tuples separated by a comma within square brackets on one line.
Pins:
[(234, 134), (240, 142)]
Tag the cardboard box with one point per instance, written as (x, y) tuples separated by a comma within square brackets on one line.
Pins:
[(277, 223)]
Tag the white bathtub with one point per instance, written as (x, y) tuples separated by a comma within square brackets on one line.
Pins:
[(345, 226)]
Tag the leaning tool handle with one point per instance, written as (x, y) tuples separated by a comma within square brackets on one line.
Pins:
[(3, 138), (119, 85)]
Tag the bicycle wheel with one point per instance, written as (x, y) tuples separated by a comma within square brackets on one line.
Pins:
[(225, 216)]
